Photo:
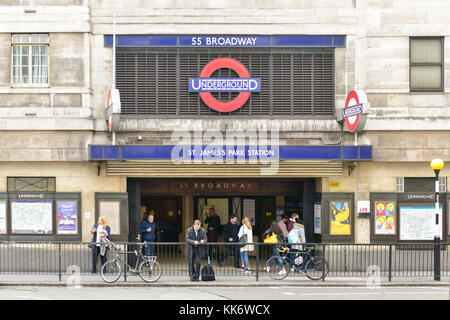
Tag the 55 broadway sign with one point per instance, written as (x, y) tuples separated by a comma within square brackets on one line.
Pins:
[(205, 85)]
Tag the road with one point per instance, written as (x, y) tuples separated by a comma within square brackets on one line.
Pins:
[(224, 293)]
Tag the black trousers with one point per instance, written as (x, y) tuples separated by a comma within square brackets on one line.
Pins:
[(95, 255), (194, 265), (232, 250)]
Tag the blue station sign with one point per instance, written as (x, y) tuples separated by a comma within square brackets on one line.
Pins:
[(224, 84)]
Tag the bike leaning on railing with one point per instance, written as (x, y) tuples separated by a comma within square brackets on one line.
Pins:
[(148, 268), (279, 266)]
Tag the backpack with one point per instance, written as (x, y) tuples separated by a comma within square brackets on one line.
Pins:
[(293, 235), (208, 272)]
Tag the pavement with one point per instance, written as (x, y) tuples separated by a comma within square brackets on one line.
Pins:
[(95, 280)]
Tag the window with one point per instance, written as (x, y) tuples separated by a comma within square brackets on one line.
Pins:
[(33, 184), (294, 81), (30, 60), (426, 64)]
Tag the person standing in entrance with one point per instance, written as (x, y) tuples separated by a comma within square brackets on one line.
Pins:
[(99, 230), (230, 234), (148, 231), (213, 222), (292, 221), (195, 240), (283, 225)]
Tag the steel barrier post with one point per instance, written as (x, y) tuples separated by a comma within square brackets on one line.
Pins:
[(257, 261), (390, 263), (437, 258), (59, 261)]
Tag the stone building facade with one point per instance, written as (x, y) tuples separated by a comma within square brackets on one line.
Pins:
[(56, 127)]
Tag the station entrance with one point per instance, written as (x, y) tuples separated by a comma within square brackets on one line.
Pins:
[(176, 203)]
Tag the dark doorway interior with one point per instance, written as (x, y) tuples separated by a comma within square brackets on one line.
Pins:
[(167, 212)]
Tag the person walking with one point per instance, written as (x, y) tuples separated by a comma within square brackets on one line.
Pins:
[(213, 222), (99, 230), (245, 237), (275, 229), (195, 241), (148, 231), (230, 234)]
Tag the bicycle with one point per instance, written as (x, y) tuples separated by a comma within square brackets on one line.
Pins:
[(147, 267), (315, 267)]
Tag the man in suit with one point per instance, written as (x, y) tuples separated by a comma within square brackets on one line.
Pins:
[(195, 240), (230, 234)]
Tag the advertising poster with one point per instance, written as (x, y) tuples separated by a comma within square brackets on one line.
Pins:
[(31, 217), (419, 223), (340, 218), (67, 215), (2, 216), (317, 213), (385, 217)]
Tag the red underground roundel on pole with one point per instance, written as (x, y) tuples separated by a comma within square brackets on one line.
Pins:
[(244, 85), (354, 100)]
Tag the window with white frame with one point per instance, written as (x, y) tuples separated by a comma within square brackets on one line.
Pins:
[(30, 63)]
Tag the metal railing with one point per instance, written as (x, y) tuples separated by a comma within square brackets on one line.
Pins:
[(344, 260)]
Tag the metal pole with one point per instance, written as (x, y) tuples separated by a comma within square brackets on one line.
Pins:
[(257, 260), (437, 240), (59, 261), (390, 262)]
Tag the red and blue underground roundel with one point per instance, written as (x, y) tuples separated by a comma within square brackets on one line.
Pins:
[(205, 85)]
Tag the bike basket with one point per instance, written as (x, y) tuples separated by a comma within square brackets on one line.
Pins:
[(151, 259)]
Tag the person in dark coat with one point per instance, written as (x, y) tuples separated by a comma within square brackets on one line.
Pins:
[(274, 228), (213, 222), (195, 241), (230, 234), (148, 231), (99, 230), (292, 220)]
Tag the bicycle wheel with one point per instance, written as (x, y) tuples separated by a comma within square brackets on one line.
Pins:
[(111, 271), (316, 268), (149, 271), (274, 270)]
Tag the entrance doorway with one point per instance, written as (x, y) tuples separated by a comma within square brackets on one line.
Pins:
[(167, 212)]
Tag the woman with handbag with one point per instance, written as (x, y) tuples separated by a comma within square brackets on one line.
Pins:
[(245, 237), (99, 230)]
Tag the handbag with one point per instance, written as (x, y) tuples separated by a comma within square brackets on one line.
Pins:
[(244, 238), (91, 245), (271, 238)]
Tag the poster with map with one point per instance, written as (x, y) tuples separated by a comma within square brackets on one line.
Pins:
[(419, 223), (2, 216), (31, 217), (67, 215)]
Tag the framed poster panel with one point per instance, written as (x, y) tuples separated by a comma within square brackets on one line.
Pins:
[(418, 222), (249, 210), (31, 217), (67, 217), (340, 218), (111, 211), (385, 217), (3, 220), (317, 218)]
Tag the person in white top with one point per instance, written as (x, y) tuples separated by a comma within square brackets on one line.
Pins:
[(245, 237)]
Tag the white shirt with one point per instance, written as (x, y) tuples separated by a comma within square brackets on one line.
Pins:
[(99, 231)]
